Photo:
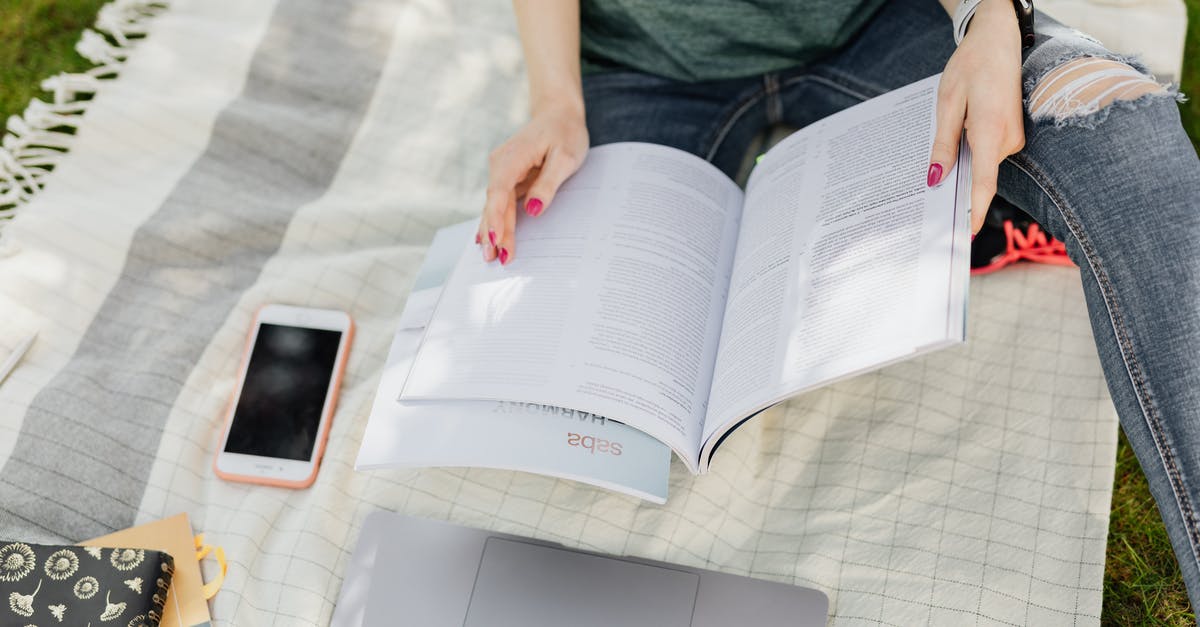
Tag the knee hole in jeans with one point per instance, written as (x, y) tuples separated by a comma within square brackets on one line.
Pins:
[(1086, 85)]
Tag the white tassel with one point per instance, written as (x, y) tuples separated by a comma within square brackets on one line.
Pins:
[(36, 141), (67, 87), (96, 48)]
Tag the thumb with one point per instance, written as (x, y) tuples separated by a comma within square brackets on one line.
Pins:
[(557, 167), (951, 110)]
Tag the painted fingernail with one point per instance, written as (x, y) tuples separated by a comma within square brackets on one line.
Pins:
[(973, 236), (534, 206), (477, 239), (935, 174), (492, 237), (503, 256)]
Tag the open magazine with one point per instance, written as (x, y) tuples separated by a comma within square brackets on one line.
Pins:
[(656, 293), (497, 434)]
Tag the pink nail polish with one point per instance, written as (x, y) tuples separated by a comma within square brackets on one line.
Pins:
[(492, 237), (973, 236), (935, 174), (534, 206), (477, 239), (503, 256)]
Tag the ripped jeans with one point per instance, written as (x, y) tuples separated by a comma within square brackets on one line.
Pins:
[(1106, 168)]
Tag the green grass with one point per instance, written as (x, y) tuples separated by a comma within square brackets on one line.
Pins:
[(1190, 80), (1142, 585), (37, 40)]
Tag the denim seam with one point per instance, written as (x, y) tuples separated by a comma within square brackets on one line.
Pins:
[(724, 127), (832, 81), (1132, 367)]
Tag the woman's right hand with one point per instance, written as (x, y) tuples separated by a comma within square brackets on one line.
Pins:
[(527, 170)]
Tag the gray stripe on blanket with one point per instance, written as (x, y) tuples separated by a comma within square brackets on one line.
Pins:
[(88, 441)]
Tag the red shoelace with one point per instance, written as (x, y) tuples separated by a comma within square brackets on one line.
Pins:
[(1032, 245)]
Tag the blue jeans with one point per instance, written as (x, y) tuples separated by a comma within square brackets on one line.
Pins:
[(1120, 186)]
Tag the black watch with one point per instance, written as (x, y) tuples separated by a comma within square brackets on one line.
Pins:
[(1025, 21)]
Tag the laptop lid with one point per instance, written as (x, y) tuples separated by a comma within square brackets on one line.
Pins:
[(411, 571), (521, 584)]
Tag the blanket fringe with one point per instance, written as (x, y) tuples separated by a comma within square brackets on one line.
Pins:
[(39, 138)]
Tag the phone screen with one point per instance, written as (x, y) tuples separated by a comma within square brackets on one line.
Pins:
[(279, 410)]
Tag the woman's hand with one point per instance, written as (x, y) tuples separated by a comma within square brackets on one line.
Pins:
[(529, 167), (527, 170), (981, 92)]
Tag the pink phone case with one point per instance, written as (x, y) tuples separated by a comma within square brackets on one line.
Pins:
[(339, 369)]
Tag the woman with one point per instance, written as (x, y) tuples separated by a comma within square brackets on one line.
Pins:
[(1087, 144)]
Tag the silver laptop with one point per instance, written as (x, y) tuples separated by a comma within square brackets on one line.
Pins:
[(411, 571)]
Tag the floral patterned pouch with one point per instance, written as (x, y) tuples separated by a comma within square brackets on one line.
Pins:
[(76, 585)]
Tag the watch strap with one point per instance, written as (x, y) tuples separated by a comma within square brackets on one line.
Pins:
[(966, 10), (1024, 10), (962, 18)]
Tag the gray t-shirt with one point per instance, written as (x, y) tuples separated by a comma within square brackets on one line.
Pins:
[(694, 40)]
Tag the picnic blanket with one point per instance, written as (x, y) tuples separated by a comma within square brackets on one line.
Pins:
[(304, 152)]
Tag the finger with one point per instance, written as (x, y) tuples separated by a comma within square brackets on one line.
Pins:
[(505, 244), (559, 165), (500, 198), (985, 168), (493, 210), (499, 216), (486, 249), (951, 110), (508, 166)]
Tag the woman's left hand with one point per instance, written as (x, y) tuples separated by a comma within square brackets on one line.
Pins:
[(981, 92)]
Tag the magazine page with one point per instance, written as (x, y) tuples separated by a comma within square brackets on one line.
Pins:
[(611, 306), (491, 434), (846, 259), (443, 253)]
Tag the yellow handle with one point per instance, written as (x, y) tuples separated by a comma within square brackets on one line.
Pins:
[(202, 550)]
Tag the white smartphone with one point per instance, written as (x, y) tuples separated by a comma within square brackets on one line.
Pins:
[(278, 419)]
